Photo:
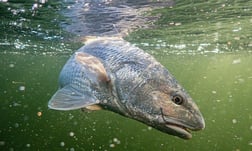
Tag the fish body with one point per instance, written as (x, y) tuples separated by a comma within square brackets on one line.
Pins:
[(110, 73)]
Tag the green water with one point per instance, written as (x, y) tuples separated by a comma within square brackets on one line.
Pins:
[(213, 64)]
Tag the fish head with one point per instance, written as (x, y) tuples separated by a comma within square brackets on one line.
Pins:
[(175, 113), (167, 107)]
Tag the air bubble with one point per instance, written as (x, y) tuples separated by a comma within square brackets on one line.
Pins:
[(22, 88), (2, 143), (250, 143), (236, 61), (71, 134), (62, 144), (214, 92), (234, 121), (11, 65), (16, 125), (71, 149)]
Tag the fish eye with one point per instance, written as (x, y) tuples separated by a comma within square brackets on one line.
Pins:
[(178, 99)]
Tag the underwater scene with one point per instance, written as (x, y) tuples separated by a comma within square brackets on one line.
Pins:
[(205, 45)]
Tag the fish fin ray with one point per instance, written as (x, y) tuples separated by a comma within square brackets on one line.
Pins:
[(67, 98)]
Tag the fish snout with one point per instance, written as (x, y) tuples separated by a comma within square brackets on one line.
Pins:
[(199, 123)]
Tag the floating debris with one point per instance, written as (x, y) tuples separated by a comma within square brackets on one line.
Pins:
[(236, 61)]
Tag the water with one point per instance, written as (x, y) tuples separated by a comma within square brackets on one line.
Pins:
[(206, 45)]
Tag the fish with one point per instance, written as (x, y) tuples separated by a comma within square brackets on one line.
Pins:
[(112, 74)]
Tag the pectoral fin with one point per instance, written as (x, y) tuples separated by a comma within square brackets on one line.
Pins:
[(67, 98)]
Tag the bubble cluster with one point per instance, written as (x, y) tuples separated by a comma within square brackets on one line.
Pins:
[(115, 141)]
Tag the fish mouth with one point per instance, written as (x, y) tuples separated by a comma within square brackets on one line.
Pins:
[(178, 129)]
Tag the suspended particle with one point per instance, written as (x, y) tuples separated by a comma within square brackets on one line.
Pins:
[(112, 145), (39, 114), (21, 88), (11, 65), (234, 121), (2, 143)]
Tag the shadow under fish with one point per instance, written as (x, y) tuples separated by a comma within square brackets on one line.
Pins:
[(110, 73)]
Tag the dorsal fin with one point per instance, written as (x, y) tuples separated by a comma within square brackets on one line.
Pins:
[(96, 72), (89, 39)]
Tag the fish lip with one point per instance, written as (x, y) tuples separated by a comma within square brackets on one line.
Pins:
[(182, 131)]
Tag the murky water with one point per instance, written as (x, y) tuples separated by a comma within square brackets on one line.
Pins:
[(206, 45)]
